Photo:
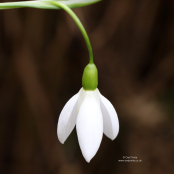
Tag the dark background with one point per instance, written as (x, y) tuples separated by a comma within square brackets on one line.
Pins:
[(42, 57)]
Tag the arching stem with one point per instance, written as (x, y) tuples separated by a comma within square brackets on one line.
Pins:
[(79, 24)]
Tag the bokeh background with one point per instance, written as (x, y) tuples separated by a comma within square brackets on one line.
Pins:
[(42, 58)]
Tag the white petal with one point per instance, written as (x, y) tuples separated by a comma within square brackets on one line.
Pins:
[(110, 118), (67, 119), (82, 94), (89, 126)]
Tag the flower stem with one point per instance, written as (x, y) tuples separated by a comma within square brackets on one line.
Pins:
[(79, 24)]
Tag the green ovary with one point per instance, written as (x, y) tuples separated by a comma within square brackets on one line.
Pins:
[(90, 77)]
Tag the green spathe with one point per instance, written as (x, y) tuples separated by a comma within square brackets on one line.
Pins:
[(90, 77), (44, 4)]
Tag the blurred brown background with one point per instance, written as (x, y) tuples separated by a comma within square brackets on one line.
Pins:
[(42, 57)]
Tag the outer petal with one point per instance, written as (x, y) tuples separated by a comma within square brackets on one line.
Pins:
[(110, 118), (82, 94), (89, 126), (67, 119)]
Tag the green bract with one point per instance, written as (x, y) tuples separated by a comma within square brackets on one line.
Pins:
[(90, 77)]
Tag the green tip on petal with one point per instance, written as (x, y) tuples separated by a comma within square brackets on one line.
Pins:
[(90, 77)]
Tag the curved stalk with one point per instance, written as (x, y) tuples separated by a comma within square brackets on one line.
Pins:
[(79, 24)]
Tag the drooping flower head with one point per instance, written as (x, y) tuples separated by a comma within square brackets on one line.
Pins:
[(92, 114)]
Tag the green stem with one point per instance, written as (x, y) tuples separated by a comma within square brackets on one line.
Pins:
[(79, 24)]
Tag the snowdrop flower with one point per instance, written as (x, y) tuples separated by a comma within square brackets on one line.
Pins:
[(92, 114)]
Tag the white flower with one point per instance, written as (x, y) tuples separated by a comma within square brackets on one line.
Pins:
[(92, 114)]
